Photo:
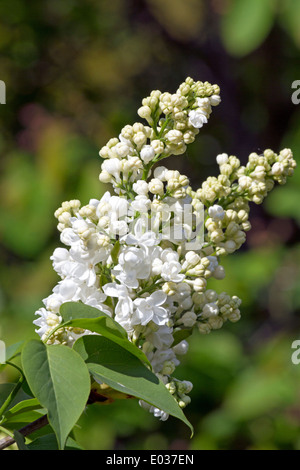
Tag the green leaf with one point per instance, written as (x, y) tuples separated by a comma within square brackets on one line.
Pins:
[(22, 407), (6, 389), (28, 197), (180, 335), (289, 18), (79, 315), (122, 371), (13, 350), (20, 440), (257, 392), (246, 24), (22, 419), (49, 442), (114, 252), (60, 380), (71, 311), (281, 202)]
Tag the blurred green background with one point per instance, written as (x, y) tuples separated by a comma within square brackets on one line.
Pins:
[(75, 74)]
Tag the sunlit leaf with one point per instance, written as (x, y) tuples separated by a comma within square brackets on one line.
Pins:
[(59, 379), (118, 368)]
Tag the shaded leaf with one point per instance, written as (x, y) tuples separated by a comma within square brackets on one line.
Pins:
[(180, 335), (6, 389), (20, 441), (49, 442)]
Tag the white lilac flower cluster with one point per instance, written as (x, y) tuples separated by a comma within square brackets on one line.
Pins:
[(138, 255)]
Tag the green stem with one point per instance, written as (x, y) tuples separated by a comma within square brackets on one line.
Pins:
[(150, 288), (13, 393), (168, 119), (6, 431)]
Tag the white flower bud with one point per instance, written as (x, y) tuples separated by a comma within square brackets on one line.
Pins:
[(169, 288), (140, 187), (230, 246), (219, 272), (168, 368), (160, 172), (210, 309), (277, 169), (197, 118), (144, 112), (103, 240), (105, 177), (234, 316), (187, 303), (259, 172), (215, 322), (174, 136), (113, 166), (184, 401), (215, 100), (147, 153), (192, 258), (188, 386), (122, 150), (181, 348), (222, 158), (199, 284), (104, 152), (204, 328), (158, 146), (156, 186), (53, 319), (245, 182), (189, 319), (216, 212), (139, 139)]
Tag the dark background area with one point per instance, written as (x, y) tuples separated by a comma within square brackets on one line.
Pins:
[(75, 74)]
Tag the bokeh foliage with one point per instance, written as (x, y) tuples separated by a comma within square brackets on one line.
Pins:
[(75, 73)]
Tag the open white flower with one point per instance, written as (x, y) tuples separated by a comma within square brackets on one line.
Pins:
[(150, 309), (133, 265), (197, 118)]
